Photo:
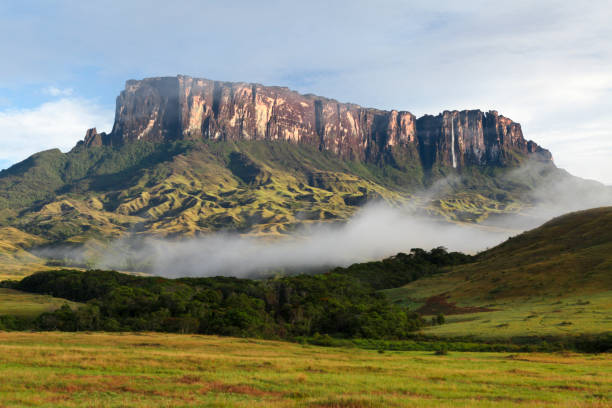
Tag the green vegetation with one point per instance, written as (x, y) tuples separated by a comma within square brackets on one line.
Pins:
[(341, 303), (556, 317), (145, 369), (344, 307), (403, 268), (552, 281), (261, 188), (514, 297), (19, 310)]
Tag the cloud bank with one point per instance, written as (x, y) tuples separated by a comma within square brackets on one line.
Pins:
[(55, 124)]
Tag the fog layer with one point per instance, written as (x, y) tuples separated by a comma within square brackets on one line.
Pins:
[(376, 231)]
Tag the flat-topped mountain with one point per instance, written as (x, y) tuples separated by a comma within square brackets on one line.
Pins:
[(171, 108), (191, 156)]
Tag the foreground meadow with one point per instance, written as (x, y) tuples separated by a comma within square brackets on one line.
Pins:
[(142, 370)]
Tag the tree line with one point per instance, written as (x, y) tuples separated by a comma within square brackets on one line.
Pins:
[(344, 302)]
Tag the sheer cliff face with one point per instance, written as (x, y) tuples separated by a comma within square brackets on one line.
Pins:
[(473, 136), (158, 109)]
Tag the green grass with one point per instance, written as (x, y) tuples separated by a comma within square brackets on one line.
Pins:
[(143, 370), (572, 315), (553, 280), (28, 305)]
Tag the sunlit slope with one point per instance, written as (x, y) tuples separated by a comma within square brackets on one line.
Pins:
[(15, 261), (29, 305), (182, 189), (537, 317), (188, 188)]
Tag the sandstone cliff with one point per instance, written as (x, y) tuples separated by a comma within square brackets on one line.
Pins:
[(159, 109)]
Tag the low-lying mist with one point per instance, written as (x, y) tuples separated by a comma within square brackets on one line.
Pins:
[(376, 231)]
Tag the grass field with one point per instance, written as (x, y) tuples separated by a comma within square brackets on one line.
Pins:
[(21, 304), (144, 370), (534, 317)]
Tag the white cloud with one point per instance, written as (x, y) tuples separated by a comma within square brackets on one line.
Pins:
[(55, 91), (56, 124)]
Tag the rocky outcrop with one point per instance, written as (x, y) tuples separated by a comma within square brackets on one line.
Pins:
[(93, 138), (159, 109)]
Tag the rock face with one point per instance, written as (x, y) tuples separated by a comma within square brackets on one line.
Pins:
[(160, 109), (474, 137)]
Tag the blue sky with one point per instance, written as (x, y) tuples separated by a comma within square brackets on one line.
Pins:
[(545, 64)]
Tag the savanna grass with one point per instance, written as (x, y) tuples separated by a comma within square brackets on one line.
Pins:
[(144, 370)]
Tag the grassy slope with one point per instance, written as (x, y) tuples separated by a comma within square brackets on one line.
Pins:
[(191, 187), (15, 261), (142, 370), (555, 279), (28, 305), (188, 188), (574, 315)]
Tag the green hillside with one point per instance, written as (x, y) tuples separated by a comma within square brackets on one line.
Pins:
[(261, 187), (554, 279), (265, 188)]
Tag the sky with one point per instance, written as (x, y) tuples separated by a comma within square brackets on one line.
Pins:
[(545, 64)]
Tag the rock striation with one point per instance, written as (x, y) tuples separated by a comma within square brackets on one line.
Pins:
[(170, 108)]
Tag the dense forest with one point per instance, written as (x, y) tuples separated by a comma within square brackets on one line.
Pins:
[(344, 302)]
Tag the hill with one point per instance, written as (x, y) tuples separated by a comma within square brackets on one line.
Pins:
[(554, 279)]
